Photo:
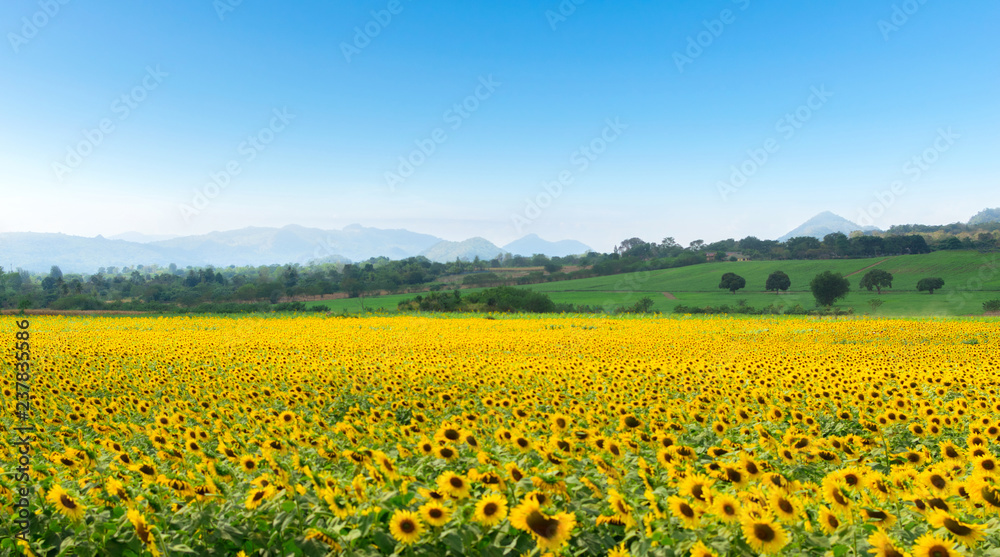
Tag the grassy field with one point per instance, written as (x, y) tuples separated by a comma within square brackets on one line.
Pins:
[(970, 279)]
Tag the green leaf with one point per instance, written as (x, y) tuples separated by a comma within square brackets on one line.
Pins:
[(840, 550)]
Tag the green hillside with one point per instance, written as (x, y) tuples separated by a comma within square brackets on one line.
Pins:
[(970, 279)]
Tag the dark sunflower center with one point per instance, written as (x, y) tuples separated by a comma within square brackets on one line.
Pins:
[(938, 482), (67, 502), (938, 551), (851, 479), (456, 482), (490, 509), (728, 509), (991, 496), (697, 492), (938, 503), (763, 532), (631, 421), (541, 525), (435, 513), (686, 510), (877, 515), (957, 528), (832, 521), (446, 452), (989, 465), (785, 506), (951, 452), (258, 496), (733, 475), (407, 526), (451, 434)]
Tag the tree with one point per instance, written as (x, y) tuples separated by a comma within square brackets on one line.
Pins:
[(876, 278), (929, 285), (776, 281), (828, 287), (720, 256), (732, 282)]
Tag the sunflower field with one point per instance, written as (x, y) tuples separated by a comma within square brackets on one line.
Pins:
[(507, 436)]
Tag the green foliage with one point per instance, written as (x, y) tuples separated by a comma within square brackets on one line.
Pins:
[(828, 287), (644, 305), (930, 284), (776, 281), (876, 278), (991, 305), (732, 282)]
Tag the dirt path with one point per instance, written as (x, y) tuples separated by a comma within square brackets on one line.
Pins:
[(669, 296), (868, 267)]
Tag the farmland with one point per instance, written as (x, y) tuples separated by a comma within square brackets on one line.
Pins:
[(970, 279), (418, 435)]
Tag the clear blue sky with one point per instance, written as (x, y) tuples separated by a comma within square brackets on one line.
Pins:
[(199, 79)]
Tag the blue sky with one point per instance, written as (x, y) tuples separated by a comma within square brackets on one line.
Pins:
[(648, 111)]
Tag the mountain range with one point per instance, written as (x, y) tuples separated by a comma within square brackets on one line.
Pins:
[(37, 252)]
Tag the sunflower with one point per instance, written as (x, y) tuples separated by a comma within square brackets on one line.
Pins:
[(434, 513), (951, 451), (883, 546), (687, 513), (883, 519), (445, 452), (726, 507), (491, 510), (248, 463), (828, 521), (833, 493), (257, 496), (701, 550), (405, 526), (64, 503), (968, 534), (453, 484), (986, 464), (764, 535), (697, 486), (985, 493), (515, 473), (930, 546), (549, 532), (785, 507), (142, 531)]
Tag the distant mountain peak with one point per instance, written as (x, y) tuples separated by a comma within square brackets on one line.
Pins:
[(532, 244), (825, 223)]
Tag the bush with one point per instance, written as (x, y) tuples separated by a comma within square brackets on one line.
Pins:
[(991, 305), (77, 301)]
